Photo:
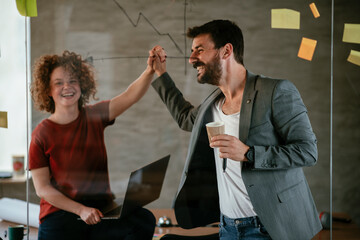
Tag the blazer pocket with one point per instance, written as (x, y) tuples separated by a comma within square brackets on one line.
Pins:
[(290, 192)]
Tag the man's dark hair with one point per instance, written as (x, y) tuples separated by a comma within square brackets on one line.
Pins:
[(222, 32)]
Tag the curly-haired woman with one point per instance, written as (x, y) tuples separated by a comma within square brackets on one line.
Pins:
[(67, 153)]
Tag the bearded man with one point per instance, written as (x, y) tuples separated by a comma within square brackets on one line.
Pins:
[(249, 179)]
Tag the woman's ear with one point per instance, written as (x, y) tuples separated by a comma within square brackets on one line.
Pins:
[(49, 93)]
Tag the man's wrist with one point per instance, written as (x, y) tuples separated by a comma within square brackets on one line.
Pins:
[(159, 73), (250, 154)]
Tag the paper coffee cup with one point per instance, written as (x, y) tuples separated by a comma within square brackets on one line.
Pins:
[(18, 165), (214, 129)]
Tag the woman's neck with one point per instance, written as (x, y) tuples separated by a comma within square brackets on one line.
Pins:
[(64, 116)]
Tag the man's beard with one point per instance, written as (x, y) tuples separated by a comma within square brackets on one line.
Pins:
[(212, 72)]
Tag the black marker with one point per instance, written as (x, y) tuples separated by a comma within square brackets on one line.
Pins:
[(224, 164)]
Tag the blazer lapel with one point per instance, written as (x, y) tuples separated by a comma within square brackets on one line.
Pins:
[(247, 106), (204, 116)]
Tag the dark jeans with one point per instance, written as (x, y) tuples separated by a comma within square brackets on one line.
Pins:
[(249, 228), (64, 225)]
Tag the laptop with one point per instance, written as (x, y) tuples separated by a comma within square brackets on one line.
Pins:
[(144, 187), (4, 174)]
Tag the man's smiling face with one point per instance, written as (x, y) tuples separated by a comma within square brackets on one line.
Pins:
[(205, 58)]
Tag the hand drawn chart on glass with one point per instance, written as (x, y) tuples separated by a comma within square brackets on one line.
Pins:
[(130, 25)]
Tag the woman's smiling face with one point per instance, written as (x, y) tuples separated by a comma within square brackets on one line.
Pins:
[(64, 89)]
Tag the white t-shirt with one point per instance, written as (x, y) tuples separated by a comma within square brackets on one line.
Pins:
[(233, 197)]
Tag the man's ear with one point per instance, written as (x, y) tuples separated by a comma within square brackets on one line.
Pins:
[(227, 50)]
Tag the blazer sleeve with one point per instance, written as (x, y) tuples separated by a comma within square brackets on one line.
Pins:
[(183, 112), (296, 144)]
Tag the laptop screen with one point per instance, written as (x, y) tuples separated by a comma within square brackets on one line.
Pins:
[(145, 185)]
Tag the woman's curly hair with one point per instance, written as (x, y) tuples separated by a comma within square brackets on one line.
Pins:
[(74, 65)]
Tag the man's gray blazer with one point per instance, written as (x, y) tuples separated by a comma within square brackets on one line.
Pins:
[(274, 120)]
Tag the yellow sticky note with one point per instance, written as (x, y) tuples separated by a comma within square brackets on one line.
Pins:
[(307, 48), (354, 57), (27, 7), (3, 120), (351, 33), (285, 18), (314, 10)]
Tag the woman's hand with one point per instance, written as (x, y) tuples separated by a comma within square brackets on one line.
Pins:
[(157, 60), (90, 215)]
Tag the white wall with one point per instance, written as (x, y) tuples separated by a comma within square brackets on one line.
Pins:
[(12, 83)]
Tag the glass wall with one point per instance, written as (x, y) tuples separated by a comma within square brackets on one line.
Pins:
[(117, 35), (15, 118), (13, 100)]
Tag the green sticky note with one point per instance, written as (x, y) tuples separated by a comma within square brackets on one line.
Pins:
[(3, 120), (285, 18), (27, 7)]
